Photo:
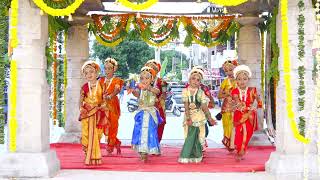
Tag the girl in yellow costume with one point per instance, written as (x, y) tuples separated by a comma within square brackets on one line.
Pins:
[(111, 87), (93, 114), (225, 93)]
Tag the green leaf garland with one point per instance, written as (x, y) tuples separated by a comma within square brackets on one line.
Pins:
[(301, 69)]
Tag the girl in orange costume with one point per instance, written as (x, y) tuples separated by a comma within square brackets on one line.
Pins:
[(245, 114), (111, 87), (93, 113)]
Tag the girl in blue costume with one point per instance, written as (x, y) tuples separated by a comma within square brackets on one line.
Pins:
[(145, 136)]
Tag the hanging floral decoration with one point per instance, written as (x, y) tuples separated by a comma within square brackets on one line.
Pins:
[(209, 32), (13, 123), (287, 72), (228, 2), (13, 43), (65, 80), (13, 35), (56, 68), (58, 7), (301, 68), (157, 31), (54, 85), (138, 4), (110, 30)]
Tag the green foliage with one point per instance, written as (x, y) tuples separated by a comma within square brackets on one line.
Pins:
[(188, 40), (273, 71), (301, 69), (56, 24), (4, 28), (131, 55), (164, 67), (168, 56), (302, 122), (58, 5)]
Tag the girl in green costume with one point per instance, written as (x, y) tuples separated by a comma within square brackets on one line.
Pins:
[(196, 115)]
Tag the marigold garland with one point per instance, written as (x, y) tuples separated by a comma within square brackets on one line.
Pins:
[(13, 43), (287, 72), (228, 2), (58, 12), (108, 44), (13, 35), (135, 6), (13, 124), (99, 34)]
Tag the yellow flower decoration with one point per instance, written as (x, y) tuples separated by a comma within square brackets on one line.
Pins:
[(287, 72), (58, 12), (13, 124), (135, 6), (227, 2)]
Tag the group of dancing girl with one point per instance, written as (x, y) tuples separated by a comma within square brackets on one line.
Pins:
[(100, 111)]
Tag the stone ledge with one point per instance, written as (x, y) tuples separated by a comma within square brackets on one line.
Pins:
[(26, 165), (290, 166), (70, 138)]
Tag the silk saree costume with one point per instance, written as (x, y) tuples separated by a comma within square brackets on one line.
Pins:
[(244, 131), (145, 133), (160, 104), (113, 105), (194, 134), (227, 115), (94, 118)]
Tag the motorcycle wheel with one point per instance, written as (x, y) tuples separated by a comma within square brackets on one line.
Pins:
[(131, 109), (176, 112)]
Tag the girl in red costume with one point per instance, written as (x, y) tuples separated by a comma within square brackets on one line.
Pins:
[(245, 114)]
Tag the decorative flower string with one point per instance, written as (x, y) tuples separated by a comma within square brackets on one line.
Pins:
[(228, 2), (70, 9), (13, 43), (13, 123), (301, 68), (13, 35), (138, 6), (287, 72), (54, 76), (160, 30), (65, 80)]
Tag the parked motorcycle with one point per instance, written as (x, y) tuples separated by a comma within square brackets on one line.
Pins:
[(132, 104), (171, 105)]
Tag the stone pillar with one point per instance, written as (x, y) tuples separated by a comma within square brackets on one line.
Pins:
[(249, 45), (287, 162), (33, 157), (249, 53), (77, 53)]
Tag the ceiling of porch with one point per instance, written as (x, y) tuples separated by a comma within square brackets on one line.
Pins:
[(252, 7)]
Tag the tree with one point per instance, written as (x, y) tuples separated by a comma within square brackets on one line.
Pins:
[(131, 55), (173, 54)]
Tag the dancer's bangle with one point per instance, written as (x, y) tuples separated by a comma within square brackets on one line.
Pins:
[(208, 115)]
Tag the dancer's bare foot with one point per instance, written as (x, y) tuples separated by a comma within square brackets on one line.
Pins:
[(143, 157)]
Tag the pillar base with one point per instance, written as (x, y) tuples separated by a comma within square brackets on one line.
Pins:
[(29, 165), (69, 137), (260, 138), (291, 166)]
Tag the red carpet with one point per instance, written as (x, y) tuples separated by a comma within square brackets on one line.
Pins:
[(216, 160)]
